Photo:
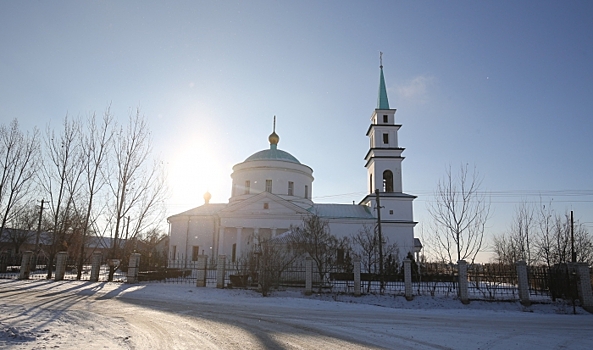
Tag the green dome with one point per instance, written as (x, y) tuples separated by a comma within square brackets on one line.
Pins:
[(273, 154)]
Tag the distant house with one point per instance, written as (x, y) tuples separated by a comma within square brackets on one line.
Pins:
[(14, 241)]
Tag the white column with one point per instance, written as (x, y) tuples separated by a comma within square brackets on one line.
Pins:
[(256, 237), (356, 264), (60, 266), (239, 241), (221, 241), (408, 279), (220, 271), (462, 274), (273, 232), (523, 281), (95, 266)]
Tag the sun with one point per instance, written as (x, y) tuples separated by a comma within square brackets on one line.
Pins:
[(197, 167)]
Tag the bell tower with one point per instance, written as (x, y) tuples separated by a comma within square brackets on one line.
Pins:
[(384, 158), (384, 173)]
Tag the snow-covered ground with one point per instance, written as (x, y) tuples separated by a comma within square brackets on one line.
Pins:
[(73, 315)]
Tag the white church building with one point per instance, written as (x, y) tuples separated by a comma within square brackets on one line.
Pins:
[(272, 191)]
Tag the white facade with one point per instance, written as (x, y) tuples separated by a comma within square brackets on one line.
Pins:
[(272, 191)]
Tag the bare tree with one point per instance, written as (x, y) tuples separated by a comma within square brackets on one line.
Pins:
[(60, 179), (517, 244), (460, 212), (555, 244), (23, 222), (137, 187), (274, 258), (19, 153), (313, 238), (365, 244), (94, 156), (544, 239)]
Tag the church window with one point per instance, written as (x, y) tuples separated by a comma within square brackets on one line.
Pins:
[(385, 118), (247, 185), (266, 205), (234, 253), (385, 138), (174, 252), (195, 251), (306, 192), (371, 183), (290, 188), (269, 186), (387, 181)]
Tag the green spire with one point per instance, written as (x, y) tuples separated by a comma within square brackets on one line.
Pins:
[(382, 101)]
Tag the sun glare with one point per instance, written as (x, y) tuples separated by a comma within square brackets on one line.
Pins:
[(196, 168)]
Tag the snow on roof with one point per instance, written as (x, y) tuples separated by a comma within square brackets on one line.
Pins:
[(342, 211), (205, 210)]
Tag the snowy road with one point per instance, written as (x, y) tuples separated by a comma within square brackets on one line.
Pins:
[(74, 315)]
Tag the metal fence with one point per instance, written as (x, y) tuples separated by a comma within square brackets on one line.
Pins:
[(485, 281)]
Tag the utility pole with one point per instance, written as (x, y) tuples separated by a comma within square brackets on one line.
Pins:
[(574, 254), (34, 258), (381, 275)]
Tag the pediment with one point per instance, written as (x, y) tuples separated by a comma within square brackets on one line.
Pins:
[(263, 204)]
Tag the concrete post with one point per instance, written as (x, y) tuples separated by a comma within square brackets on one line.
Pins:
[(462, 274), (356, 263), (201, 272), (408, 279), (584, 285), (220, 271), (60, 266), (25, 265), (308, 275), (133, 268), (523, 283), (95, 266)]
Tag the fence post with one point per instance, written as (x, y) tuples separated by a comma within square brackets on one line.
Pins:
[(220, 271), (523, 283), (95, 266), (60, 266), (462, 275), (356, 263), (584, 285), (201, 272), (133, 267), (25, 265), (408, 279), (308, 275)]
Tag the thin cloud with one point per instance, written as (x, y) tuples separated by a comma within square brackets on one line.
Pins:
[(416, 90)]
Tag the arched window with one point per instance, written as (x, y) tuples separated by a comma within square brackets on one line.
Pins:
[(387, 181)]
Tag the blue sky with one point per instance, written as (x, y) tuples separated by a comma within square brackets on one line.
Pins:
[(506, 86)]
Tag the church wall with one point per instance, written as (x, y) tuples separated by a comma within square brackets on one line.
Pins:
[(401, 234), (280, 178), (280, 172), (397, 209), (200, 233), (377, 167)]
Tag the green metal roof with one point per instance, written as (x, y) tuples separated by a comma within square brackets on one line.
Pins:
[(273, 154), (382, 101)]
